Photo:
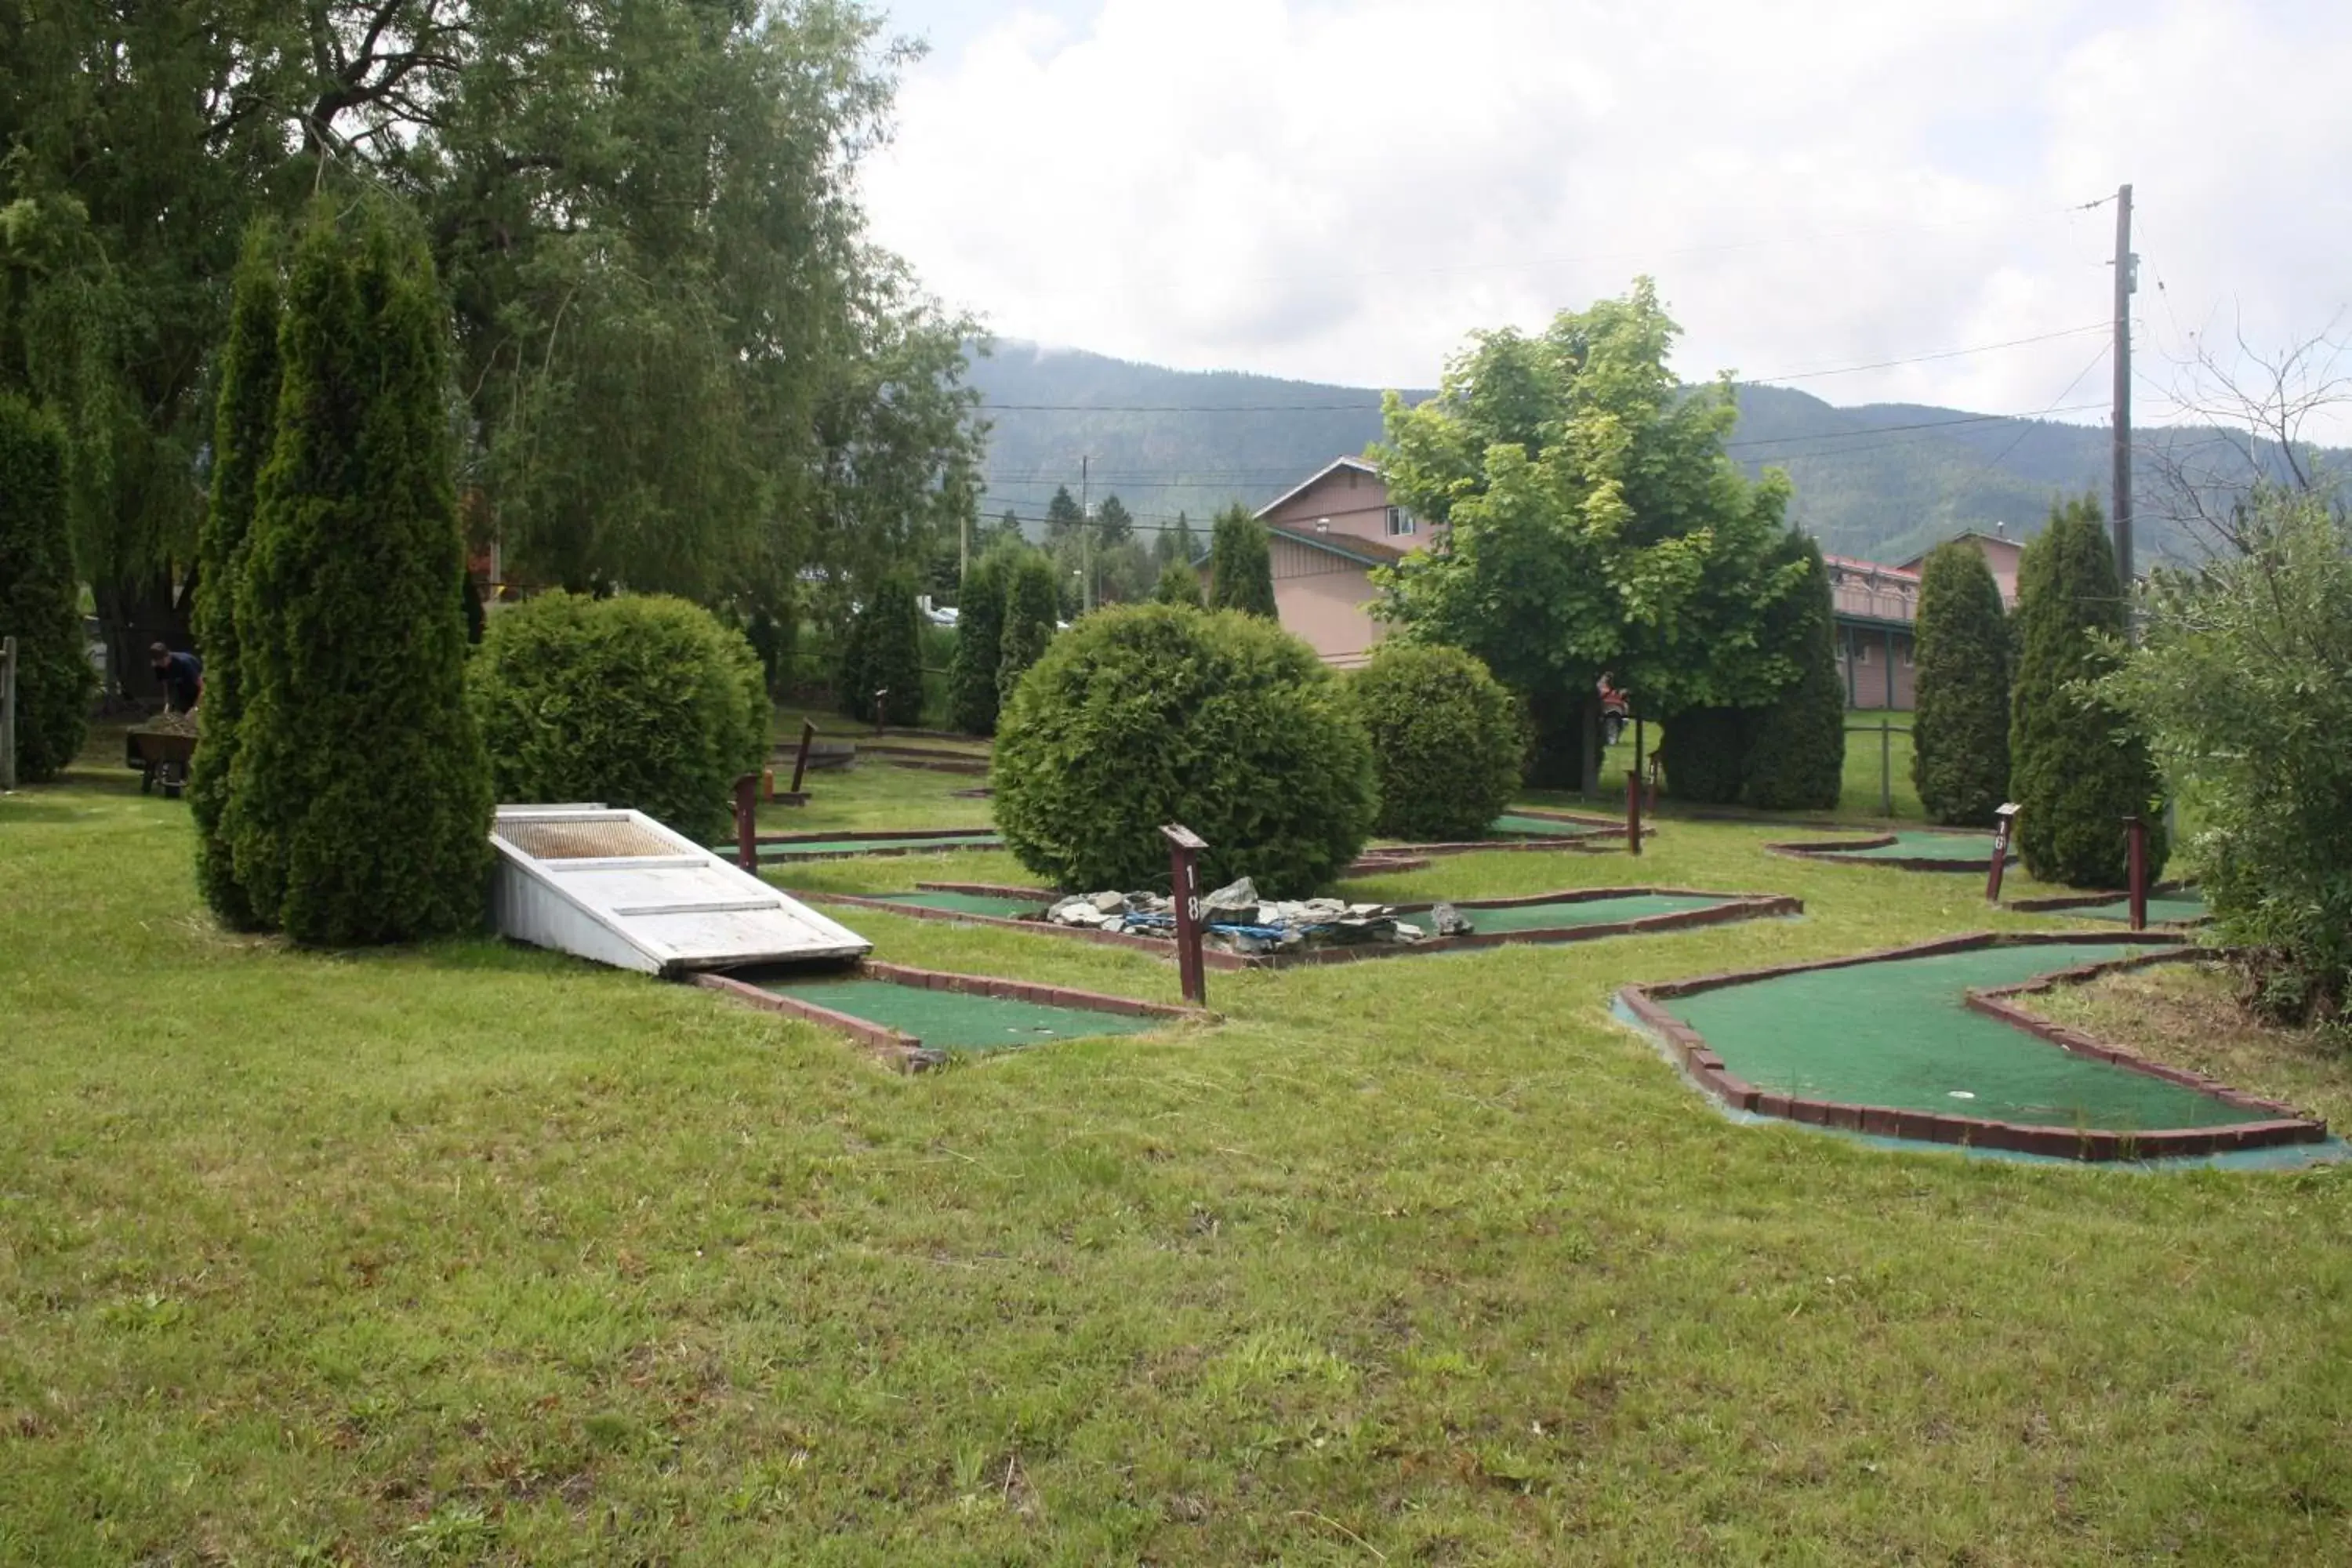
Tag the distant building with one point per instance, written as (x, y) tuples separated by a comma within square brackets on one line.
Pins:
[(1325, 536), (2001, 552), (1877, 607)]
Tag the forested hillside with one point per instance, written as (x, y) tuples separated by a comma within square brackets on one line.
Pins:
[(1884, 480)]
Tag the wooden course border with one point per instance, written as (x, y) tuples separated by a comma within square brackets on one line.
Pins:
[(879, 835), (2271, 1124), (1732, 907), (1841, 850), (907, 1053)]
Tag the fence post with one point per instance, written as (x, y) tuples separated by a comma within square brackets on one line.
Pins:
[(747, 823), (1887, 767), (2005, 816), (7, 712), (1184, 848), (2135, 841)]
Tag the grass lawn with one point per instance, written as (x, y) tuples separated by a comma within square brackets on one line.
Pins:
[(475, 1254)]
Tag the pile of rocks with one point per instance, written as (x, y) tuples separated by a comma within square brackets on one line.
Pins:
[(1238, 920)]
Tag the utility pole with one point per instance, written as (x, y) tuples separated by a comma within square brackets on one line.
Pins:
[(2126, 281), (1085, 541)]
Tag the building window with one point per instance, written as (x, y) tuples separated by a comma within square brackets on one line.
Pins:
[(1906, 654), (1861, 654), (1401, 522)]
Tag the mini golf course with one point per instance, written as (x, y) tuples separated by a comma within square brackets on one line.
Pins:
[(916, 1017), (1909, 851), (1574, 915), (1922, 1044)]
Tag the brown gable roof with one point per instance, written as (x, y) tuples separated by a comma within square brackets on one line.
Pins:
[(1355, 547)]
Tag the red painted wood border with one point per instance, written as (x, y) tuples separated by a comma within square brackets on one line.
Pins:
[(2277, 1125)]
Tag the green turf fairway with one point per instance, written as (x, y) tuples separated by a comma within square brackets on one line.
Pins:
[(1898, 1034), (1581, 912), (1964, 847), (956, 1020), (980, 839), (2163, 908)]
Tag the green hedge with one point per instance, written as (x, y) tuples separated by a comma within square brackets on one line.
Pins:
[(1446, 741), (979, 646), (1032, 609), (639, 702), (1150, 713), (1796, 746), (1703, 753), (884, 652)]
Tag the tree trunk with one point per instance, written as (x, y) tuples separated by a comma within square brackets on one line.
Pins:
[(1591, 783)]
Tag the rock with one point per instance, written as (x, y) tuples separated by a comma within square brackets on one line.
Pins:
[(1406, 931), (1236, 895), (1111, 903), (1449, 921)]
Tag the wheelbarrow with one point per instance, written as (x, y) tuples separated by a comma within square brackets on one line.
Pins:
[(161, 757)]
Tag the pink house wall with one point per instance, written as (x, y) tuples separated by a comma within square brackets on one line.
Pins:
[(1325, 601)]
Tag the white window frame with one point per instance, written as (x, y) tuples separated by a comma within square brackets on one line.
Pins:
[(1402, 523)]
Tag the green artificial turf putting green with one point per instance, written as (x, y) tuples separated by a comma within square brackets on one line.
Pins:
[(1926, 847), (966, 903), (1511, 824), (1579, 912), (957, 1020), (1899, 1033), (2163, 908), (978, 839)]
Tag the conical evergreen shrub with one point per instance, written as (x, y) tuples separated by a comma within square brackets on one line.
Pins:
[(1446, 741), (1796, 747), (1960, 734), (979, 646), (884, 653), (2075, 768), (359, 798), (1241, 564), (1704, 754), (244, 422), (40, 599), (1031, 607), (1178, 584)]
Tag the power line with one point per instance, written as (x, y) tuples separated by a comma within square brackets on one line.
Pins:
[(1921, 424), (1922, 359)]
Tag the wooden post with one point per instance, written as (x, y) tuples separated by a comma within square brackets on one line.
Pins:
[(2136, 840), (800, 764), (881, 708), (1633, 811), (7, 712), (747, 823), (2006, 816), (1184, 848)]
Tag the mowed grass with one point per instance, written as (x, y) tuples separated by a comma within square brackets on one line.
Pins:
[(475, 1254)]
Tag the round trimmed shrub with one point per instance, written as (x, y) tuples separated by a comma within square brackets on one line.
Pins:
[(1147, 714), (1446, 741), (644, 702)]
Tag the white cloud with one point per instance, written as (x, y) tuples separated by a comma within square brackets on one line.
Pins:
[(1344, 192)]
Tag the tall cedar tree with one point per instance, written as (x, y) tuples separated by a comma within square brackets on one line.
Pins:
[(40, 601), (1240, 565), (1796, 744), (1032, 599), (884, 652), (1704, 753), (359, 805), (1959, 734), (2076, 769), (243, 425), (979, 646), (1062, 514)]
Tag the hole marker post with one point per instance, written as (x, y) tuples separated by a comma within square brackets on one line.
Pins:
[(1633, 810), (2005, 818), (881, 708), (747, 823), (800, 763), (1184, 848), (2135, 843)]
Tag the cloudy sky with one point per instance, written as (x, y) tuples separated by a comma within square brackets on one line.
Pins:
[(1342, 191)]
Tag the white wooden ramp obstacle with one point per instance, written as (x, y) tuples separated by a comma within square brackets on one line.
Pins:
[(618, 887)]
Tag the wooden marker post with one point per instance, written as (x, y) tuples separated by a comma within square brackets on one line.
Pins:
[(747, 823), (881, 708), (1184, 848), (2136, 842), (800, 764), (1633, 810), (7, 712), (2006, 816)]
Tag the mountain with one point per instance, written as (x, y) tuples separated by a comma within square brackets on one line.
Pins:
[(1882, 480)]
